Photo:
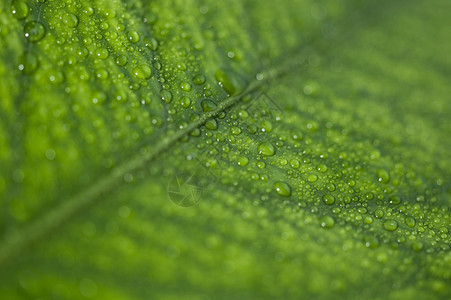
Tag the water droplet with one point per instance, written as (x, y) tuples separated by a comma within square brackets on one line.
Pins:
[(211, 124), (390, 225), (394, 200), (19, 9), (266, 126), (70, 20), (370, 241), (243, 161), (266, 148), (235, 130), (327, 222), (230, 84), (282, 188), (56, 77), (383, 176), (34, 31), (252, 128), (362, 210), (102, 53), (417, 246), (368, 220), (330, 187), (379, 213), (410, 221), (151, 43), (208, 105), (199, 79), (322, 168), (328, 199), (294, 163), (102, 73), (28, 63), (185, 86), (121, 60), (166, 96), (133, 36), (50, 154), (142, 72), (185, 102), (312, 178)]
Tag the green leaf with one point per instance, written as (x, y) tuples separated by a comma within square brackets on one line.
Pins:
[(225, 150)]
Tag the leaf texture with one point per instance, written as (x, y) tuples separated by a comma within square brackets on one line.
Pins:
[(303, 144)]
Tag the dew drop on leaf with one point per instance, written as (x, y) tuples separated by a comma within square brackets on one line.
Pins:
[(226, 82), (142, 71), (266, 149), (327, 222), (166, 96), (102, 53), (390, 225), (34, 31), (410, 222), (417, 246), (383, 176), (211, 124), (329, 199), (133, 36), (121, 60), (19, 9), (208, 105), (28, 63), (185, 86), (70, 20), (235, 130), (370, 241), (185, 102), (199, 79), (243, 161), (151, 43), (282, 188)]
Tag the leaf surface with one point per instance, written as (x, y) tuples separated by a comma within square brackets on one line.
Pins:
[(311, 137)]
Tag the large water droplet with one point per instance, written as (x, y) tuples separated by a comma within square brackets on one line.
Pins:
[(142, 72), (166, 96), (151, 43), (199, 79), (312, 178), (282, 188), (185, 102), (70, 20), (133, 36), (121, 60), (410, 221), (102, 53), (34, 31), (229, 82), (19, 9), (329, 199), (370, 241), (28, 63), (243, 161), (383, 176), (185, 86), (208, 105), (211, 124), (390, 225), (327, 222), (266, 148)]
